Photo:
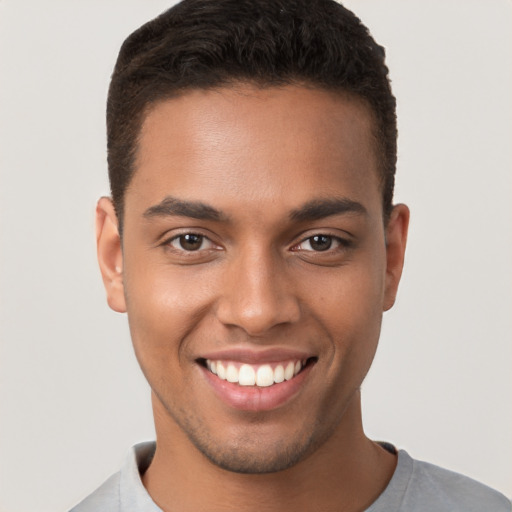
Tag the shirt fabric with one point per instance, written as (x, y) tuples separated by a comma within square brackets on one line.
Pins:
[(416, 486)]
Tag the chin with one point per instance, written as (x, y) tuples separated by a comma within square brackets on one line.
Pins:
[(255, 459), (254, 449)]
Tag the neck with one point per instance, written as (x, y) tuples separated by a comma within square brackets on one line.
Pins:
[(347, 473)]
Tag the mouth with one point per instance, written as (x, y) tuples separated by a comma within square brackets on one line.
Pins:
[(257, 375), (257, 381)]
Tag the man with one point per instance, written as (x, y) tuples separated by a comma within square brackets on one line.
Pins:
[(252, 239)]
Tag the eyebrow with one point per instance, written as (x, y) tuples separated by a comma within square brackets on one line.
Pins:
[(321, 208), (312, 210), (171, 206)]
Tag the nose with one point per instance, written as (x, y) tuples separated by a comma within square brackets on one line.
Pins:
[(258, 294)]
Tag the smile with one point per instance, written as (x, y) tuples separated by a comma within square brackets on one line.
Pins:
[(259, 375), (257, 381)]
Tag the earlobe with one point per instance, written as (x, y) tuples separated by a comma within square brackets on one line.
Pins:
[(110, 255), (396, 240)]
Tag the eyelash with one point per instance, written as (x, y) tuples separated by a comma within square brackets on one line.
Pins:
[(341, 243), (169, 243)]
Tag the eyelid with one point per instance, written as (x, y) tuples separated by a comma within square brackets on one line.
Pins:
[(342, 241), (204, 241), (175, 234)]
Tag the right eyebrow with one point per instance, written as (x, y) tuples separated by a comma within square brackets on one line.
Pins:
[(172, 206)]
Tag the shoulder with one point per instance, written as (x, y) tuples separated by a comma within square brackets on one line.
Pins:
[(106, 498), (124, 491), (433, 488)]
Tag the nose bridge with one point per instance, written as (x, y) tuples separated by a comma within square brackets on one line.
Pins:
[(257, 292)]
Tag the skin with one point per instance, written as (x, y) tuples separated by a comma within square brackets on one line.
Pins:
[(257, 282)]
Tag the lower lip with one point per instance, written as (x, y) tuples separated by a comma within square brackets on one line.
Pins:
[(254, 398)]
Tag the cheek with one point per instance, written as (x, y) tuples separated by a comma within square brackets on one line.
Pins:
[(352, 295), (164, 306), (350, 310)]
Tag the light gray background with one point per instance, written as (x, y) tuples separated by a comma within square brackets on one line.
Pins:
[(71, 395)]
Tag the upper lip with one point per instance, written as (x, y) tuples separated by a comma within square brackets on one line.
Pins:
[(251, 356)]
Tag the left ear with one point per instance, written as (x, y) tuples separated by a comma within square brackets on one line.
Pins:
[(396, 239)]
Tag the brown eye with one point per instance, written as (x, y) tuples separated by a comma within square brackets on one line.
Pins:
[(191, 242), (320, 242), (188, 242)]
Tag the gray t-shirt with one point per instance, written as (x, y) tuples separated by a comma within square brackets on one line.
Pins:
[(415, 487)]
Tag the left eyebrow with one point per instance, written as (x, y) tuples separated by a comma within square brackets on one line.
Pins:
[(321, 208)]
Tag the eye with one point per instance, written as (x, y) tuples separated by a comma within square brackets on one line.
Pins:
[(319, 243), (190, 242)]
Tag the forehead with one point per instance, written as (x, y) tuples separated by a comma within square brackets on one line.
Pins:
[(256, 146)]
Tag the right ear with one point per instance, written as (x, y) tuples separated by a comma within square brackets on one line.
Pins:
[(110, 254)]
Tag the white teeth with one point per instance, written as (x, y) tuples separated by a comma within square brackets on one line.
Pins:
[(279, 374), (232, 373), (246, 375), (221, 371), (288, 371), (265, 376), (254, 375)]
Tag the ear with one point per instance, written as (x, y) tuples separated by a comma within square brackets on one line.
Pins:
[(396, 239), (110, 254)]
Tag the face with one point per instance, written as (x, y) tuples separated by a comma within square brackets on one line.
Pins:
[(255, 267)]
